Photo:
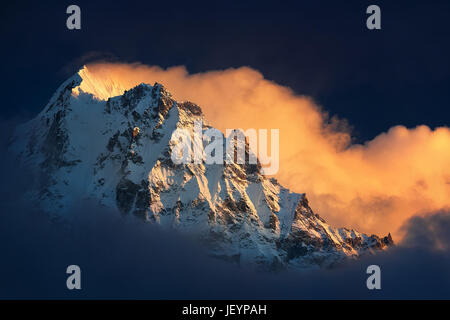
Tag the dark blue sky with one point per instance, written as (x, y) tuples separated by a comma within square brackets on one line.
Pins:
[(375, 79)]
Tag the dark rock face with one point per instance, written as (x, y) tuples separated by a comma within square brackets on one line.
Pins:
[(55, 145), (143, 200), (113, 141), (131, 196), (388, 240), (126, 192), (63, 94), (132, 97), (191, 107), (165, 101)]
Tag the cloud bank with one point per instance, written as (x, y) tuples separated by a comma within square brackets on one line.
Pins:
[(374, 187), (126, 259), (121, 257)]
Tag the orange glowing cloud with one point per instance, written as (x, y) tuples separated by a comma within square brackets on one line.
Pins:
[(374, 187)]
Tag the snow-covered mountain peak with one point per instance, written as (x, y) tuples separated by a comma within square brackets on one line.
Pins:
[(97, 140), (101, 89)]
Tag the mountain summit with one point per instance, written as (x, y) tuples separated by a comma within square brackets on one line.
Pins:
[(89, 144)]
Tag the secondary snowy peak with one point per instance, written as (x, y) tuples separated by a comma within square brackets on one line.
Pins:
[(94, 140), (101, 88)]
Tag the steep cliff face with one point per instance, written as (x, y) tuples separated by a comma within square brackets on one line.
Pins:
[(118, 151)]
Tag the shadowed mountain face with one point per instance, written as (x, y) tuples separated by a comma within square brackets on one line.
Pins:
[(118, 151)]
